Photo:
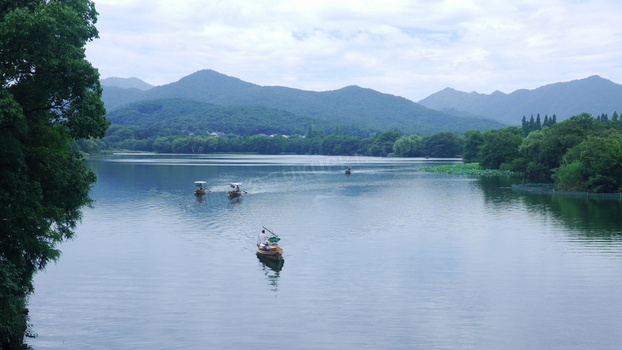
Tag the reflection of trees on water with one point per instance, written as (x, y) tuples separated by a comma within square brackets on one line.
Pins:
[(592, 217), (497, 189), (271, 268)]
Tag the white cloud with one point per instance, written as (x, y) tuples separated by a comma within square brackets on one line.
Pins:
[(406, 48)]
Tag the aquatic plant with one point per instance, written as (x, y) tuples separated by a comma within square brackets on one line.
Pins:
[(465, 169)]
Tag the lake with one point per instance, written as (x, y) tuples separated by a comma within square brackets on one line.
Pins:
[(386, 258)]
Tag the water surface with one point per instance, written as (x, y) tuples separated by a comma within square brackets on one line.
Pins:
[(388, 257)]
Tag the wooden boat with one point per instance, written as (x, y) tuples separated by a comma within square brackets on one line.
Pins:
[(200, 191), (237, 192), (271, 251)]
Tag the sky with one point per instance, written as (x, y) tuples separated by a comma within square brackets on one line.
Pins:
[(406, 48)]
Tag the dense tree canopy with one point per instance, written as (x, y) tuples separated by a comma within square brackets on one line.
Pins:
[(581, 153), (499, 147), (593, 165), (50, 95), (543, 150)]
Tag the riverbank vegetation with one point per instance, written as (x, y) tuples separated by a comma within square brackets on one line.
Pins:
[(581, 153), (465, 169), (315, 141)]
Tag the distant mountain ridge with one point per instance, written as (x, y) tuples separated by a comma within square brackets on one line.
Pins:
[(126, 83), (351, 105), (594, 95)]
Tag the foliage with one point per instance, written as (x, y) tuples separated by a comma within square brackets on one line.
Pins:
[(569, 177), (50, 95), (184, 117), (409, 146), (441, 145), (535, 125), (580, 153), (500, 147), (473, 141), (543, 150), (444, 145), (314, 142), (598, 161), (465, 169)]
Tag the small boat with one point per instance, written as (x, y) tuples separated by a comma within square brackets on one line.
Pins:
[(237, 192), (348, 170), (270, 250), (200, 191)]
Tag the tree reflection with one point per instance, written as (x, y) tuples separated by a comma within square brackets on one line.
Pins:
[(592, 217)]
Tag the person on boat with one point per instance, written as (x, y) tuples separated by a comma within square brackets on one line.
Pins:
[(263, 239), (237, 188)]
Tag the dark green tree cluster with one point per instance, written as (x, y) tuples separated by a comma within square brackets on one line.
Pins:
[(49, 96), (604, 118), (581, 153), (442, 145), (388, 143), (536, 124)]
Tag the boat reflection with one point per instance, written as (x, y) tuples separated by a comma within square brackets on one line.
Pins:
[(200, 199), (271, 269)]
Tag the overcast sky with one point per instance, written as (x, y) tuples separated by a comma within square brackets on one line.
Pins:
[(406, 48)]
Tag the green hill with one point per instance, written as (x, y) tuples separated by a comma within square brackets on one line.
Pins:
[(182, 116), (351, 105)]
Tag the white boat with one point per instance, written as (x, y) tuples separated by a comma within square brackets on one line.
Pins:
[(237, 191)]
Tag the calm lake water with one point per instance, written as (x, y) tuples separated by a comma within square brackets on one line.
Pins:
[(386, 258)]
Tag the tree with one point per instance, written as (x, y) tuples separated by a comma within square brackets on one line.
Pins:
[(444, 144), (537, 157), (50, 96), (524, 124), (500, 147), (542, 151), (546, 121), (537, 125), (599, 159), (408, 146), (383, 144), (472, 143)]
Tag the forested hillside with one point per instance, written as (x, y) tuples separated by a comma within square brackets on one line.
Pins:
[(183, 117), (348, 106)]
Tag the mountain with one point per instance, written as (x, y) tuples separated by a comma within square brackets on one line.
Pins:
[(593, 95), (181, 116), (351, 105), (126, 83)]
